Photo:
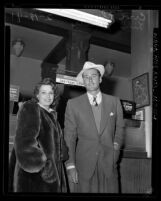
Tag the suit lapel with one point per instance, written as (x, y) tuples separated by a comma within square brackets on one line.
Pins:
[(105, 111)]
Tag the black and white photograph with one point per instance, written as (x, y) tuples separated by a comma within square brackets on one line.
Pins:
[(140, 87), (82, 89)]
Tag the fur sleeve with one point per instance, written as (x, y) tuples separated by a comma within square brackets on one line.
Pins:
[(30, 156)]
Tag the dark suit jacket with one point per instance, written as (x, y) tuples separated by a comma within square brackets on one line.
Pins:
[(91, 145)]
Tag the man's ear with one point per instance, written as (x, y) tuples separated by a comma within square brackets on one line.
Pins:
[(100, 79)]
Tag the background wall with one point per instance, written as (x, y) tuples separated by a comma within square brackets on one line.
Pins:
[(142, 61), (117, 86), (26, 72)]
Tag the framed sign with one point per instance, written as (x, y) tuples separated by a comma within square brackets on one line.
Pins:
[(65, 79), (14, 93), (139, 114), (128, 106), (140, 88)]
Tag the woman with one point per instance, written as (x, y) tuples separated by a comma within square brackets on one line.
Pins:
[(39, 147)]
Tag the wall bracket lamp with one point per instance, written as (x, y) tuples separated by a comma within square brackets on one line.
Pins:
[(18, 47), (109, 68)]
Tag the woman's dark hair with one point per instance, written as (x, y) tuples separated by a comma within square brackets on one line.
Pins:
[(47, 81)]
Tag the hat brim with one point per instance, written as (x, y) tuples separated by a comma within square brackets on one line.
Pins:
[(79, 77)]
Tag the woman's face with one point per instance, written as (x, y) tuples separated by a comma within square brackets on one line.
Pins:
[(45, 95)]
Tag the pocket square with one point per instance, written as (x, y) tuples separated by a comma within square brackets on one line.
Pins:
[(111, 114)]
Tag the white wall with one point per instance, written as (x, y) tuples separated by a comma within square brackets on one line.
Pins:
[(122, 87), (25, 73)]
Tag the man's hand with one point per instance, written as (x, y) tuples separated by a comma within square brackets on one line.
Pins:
[(73, 175), (116, 146), (116, 152)]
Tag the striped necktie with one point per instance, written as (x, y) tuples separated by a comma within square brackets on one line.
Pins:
[(94, 101)]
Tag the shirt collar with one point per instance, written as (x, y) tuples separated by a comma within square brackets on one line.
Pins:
[(49, 110), (98, 98)]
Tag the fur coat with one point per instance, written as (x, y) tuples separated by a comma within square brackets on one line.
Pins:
[(36, 161)]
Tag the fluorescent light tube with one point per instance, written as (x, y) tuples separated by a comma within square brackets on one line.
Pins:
[(80, 16)]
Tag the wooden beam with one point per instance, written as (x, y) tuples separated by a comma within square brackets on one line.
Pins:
[(58, 53), (101, 37), (36, 25)]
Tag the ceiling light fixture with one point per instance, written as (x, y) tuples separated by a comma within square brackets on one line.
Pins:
[(81, 16)]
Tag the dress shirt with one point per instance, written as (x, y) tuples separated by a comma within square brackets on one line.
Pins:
[(98, 98)]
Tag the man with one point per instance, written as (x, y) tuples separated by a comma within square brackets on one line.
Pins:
[(94, 135)]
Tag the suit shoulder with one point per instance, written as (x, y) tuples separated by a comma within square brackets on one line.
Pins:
[(111, 97)]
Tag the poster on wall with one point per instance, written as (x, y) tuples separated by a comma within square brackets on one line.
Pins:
[(140, 88), (69, 80), (14, 93)]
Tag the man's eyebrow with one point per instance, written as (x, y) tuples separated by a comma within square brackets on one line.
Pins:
[(92, 74)]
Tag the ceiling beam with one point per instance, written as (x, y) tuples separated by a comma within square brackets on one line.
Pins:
[(36, 25), (117, 41), (58, 53)]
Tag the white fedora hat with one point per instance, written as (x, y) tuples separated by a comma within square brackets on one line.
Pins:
[(88, 65)]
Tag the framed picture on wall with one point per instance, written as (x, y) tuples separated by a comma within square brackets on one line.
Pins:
[(128, 108), (140, 88)]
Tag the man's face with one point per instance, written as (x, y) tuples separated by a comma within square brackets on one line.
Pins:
[(92, 79)]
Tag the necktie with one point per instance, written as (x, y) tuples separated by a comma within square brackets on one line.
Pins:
[(94, 101)]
